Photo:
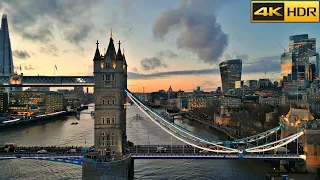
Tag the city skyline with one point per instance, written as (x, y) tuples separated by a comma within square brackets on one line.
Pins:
[(36, 36)]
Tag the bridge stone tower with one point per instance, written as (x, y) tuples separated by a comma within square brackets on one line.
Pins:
[(110, 139)]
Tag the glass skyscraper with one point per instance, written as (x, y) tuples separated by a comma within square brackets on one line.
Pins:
[(6, 62), (286, 65), (298, 46), (230, 73)]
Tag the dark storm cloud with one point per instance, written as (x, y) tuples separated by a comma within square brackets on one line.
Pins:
[(21, 54), (34, 20), (258, 65), (152, 63), (199, 32)]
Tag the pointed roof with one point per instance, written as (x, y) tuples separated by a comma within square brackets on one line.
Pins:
[(119, 54), (111, 51), (170, 89), (124, 58), (97, 54), (4, 22)]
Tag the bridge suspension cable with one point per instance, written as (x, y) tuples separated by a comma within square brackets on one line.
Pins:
[(183, 138), (215, 147), (275, 144), (206, 139)]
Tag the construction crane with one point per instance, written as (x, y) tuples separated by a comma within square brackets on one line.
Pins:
[(284, 50)]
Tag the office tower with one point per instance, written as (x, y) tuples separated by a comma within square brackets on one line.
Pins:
[(6, 62), (286, 64), (298, 46), (230, 73)]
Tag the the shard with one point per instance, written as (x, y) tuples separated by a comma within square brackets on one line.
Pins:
[(6, 62)]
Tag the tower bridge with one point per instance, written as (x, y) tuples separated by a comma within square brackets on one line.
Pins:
[(112, 153)]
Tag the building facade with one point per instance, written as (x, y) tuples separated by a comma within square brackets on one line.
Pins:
[(230, 73), (32, 102)]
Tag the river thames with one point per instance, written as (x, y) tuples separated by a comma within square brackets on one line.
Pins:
[(62, 133)]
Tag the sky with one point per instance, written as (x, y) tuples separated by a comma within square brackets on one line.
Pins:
[(169, 42)]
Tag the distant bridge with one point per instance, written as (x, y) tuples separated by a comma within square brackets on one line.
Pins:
[(45, 81)]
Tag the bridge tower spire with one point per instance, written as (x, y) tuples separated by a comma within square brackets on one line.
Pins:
[(110, 139)]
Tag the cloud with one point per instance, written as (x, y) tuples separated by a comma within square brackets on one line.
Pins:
[(50, 49), (152, 63), (198, 30), (208, 83), (134, 69), (21, 54), (37, 20), (259, 65), (28, 67), (243, 57), (262, 64), (166, 54)]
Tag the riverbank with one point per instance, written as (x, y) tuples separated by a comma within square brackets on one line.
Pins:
[(34, 120), (220, 128)]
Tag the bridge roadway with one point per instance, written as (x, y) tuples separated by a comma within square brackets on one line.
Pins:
[(146, 152)]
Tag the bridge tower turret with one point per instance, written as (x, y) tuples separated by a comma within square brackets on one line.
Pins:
[(110, 119)]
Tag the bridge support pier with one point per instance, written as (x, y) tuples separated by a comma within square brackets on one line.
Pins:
[(293, 166), (114, 170)]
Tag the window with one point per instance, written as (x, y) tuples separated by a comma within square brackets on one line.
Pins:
[(113, 101), (103, 77), (108, 77), (103, 139), (113, 120), (103, 122), (108, 101), (108, 120), (102, 101), (103, 133), (108, 65), (113, 152), (103, 144)]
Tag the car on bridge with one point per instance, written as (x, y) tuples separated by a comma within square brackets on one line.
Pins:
[(161, 149), (72, 151), (203, 151), (43, 151)]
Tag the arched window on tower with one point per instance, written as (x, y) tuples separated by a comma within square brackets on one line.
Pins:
[(103, 120), (102, 64), (108, 102), (113, 102), (108, 120), (113, 121), (108, 65), (102, 101)]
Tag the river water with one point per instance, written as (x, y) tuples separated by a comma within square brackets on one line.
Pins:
[(61, 133)]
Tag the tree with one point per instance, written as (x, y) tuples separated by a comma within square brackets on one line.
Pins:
[(259, 113)]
